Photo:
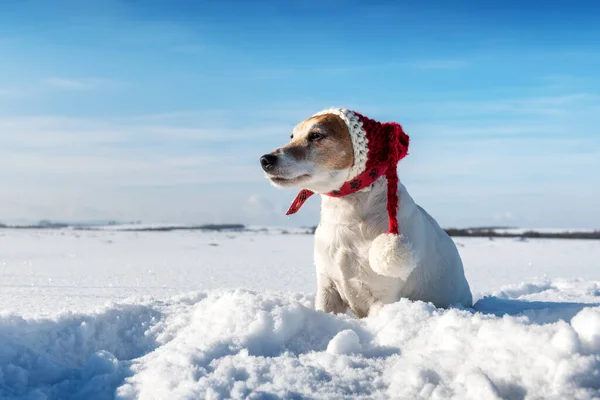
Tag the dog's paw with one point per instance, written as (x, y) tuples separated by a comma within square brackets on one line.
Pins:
[(392, 255)]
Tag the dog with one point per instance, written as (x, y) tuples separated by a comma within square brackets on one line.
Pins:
[(329, 154)]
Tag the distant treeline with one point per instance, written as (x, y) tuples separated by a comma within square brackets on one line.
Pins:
[(45, 224), (496, 232), (48, 224), (207, 227), (40, 225), (489, 232), (477, 232)]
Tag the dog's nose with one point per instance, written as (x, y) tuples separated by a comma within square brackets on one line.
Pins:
[(268, 161)]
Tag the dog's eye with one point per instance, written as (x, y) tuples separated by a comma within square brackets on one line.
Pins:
[(313, 136)]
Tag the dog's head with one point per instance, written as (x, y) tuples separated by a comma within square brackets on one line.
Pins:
[(318, 157)]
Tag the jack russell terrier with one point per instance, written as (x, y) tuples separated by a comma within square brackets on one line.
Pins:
[(373, 245)]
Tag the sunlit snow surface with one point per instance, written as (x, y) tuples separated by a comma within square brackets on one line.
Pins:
[(173, 315)]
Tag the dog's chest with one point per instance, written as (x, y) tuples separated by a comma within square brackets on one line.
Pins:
[(342, 254)]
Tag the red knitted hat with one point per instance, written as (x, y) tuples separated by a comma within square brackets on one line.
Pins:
[(377, 149)]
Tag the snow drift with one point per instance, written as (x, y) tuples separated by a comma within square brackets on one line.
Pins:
[(535, 340)]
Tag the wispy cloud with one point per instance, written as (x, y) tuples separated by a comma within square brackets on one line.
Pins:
[(56, 132), (63, 83), (565, 81), (125, 152), (566, 105), (358, 68)]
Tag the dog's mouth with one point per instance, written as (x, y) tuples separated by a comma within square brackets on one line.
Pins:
[(281, 181)]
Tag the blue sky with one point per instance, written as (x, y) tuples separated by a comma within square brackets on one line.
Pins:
[(159, 110)]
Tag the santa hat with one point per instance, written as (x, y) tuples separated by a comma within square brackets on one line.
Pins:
[(378, 147)]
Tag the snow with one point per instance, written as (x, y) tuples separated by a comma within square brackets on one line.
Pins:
[(178, 315), (345, 342)]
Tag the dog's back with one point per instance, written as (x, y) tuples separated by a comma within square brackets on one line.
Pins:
[(439, 275)]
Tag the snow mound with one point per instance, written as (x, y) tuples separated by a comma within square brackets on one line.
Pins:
[(345, 342), (243, 344)]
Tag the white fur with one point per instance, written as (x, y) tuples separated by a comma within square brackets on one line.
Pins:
[(345, 278)]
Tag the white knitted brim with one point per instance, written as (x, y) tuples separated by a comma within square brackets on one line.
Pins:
[(359, 138)]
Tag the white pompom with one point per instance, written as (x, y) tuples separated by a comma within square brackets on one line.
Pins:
[(391, 255)]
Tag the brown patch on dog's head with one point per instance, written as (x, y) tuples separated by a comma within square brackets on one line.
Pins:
[(324, 140), (317, 158)]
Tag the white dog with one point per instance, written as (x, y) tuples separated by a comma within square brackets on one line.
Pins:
[(351, 162)]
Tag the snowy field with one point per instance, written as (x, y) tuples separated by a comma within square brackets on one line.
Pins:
[(195, 315)]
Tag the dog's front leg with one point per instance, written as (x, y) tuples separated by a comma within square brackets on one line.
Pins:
[(328, 298)]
